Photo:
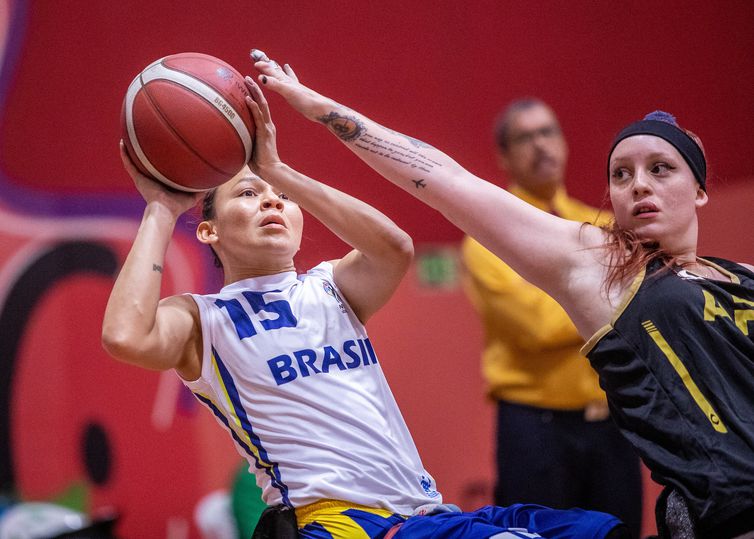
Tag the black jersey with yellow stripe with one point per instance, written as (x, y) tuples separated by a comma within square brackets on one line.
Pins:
[(677, 364)]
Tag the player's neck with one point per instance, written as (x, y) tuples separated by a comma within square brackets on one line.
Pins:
[(248, 272)]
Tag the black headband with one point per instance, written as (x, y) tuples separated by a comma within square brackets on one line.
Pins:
[(680, 140)]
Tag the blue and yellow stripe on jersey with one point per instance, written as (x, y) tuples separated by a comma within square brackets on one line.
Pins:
[(241, 429), (334, 519)]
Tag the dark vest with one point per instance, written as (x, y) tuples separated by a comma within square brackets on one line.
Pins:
[(678, 369)]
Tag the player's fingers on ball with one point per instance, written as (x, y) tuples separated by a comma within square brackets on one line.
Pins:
[(258, 96), (254, 89), (256, 113), (260, 113), (254, 108), (252, 86)]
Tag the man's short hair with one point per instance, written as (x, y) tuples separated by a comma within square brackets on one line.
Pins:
[(505, 118)]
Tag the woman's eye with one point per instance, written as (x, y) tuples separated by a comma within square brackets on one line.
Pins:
[(661, 168), (283, 196), (620, 173), (248, 193)]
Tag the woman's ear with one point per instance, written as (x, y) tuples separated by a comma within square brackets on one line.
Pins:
[(701, 197), (206, 233)]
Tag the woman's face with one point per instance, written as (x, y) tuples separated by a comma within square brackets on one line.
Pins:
[(653, 190), (253, 223)]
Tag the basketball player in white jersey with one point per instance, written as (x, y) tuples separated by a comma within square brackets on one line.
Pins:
[(282, 360)]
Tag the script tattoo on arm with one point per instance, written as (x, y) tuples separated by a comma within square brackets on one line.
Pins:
[(404, 154), (157, 268), (414, 141), (347, 126)]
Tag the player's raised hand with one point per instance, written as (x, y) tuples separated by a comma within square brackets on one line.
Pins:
[(265, 153), (283, 80), (152, 190)]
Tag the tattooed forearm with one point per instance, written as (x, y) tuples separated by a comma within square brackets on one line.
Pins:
[(414, 141), (157, 268), (346, 128), (399, 149), (395, 151), (418, 143)]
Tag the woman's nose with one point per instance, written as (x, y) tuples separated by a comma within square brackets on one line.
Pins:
[(272, 200), (641, 182)]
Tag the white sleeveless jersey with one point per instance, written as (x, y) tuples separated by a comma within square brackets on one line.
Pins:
[(289, 371)]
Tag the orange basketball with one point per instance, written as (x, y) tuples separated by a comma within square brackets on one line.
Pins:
[(185, 122)]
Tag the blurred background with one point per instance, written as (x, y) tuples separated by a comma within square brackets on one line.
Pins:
[(79, 429)]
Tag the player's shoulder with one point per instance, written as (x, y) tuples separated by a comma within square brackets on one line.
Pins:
[(182, 309), (323, 270), (179, 301)]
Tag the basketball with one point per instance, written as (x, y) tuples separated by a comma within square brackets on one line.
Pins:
[(185, 121)]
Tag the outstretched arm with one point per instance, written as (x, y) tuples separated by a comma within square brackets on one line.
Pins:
[(544, 249), (138, 328), (369, 274), (511, 307)]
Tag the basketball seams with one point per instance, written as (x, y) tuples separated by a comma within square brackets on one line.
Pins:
[(207, 91), (168, 125), (133, 89)]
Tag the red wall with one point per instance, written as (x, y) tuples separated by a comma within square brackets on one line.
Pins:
[(438, 71)]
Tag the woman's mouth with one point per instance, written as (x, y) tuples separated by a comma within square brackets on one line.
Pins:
[(645, 210)]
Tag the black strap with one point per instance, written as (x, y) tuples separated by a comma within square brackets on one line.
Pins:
[(277, 522)]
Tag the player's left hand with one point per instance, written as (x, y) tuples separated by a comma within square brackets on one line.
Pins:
[(154, 191), (265, 153)]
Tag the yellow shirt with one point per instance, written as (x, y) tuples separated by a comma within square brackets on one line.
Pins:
[(531, 353)]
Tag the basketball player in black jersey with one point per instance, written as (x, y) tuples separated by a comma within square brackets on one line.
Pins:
[(670, 333)]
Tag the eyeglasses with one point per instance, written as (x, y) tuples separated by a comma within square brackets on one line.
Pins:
[(527, 137)]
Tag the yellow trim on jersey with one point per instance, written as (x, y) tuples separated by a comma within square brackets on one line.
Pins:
[(732, 276), (239, 431), (594, 339), (234, 417), (236, 425), (628, 296), (680, 368), (328, 513)]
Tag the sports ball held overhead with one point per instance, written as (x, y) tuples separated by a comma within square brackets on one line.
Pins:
[(185, 122)]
